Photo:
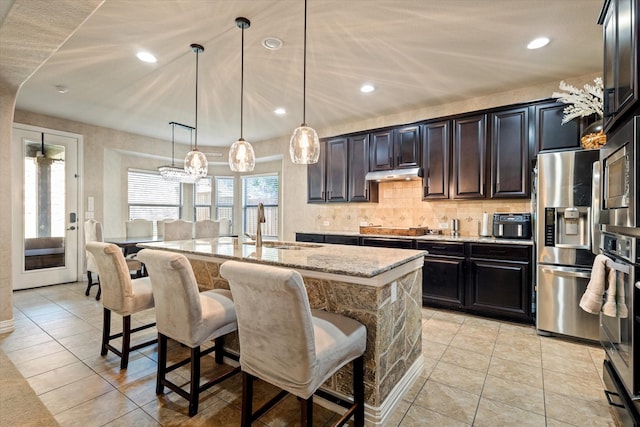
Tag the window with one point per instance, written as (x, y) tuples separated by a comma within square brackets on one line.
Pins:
[(224, 197), (152, 197), (260, 189), (202, 199)]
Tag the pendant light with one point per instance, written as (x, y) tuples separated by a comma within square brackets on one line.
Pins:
[(195, 164), (241, 155), (304, 146), (173, 172)]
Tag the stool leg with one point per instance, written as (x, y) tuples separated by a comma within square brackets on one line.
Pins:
[(219, 350), (162, 363), (88, 284), (194, 396), (358, 390), (306, 412), (106, 329), (247, 400), (126, 341)]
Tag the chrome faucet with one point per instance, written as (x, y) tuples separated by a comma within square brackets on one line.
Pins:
[(261, 220)]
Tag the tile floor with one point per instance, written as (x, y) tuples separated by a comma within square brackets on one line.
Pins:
[(478, 372)]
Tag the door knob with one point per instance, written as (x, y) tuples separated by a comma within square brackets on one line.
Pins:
[(71, 228)]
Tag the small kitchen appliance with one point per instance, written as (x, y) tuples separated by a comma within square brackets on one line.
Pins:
[(512, 225)]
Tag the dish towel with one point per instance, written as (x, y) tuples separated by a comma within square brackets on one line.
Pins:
[(614, 305), (591, 300)]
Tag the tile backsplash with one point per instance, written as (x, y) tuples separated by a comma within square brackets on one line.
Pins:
[(400, 205)]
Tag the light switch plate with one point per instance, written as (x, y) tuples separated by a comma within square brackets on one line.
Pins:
[(444, 225), (325, 223)]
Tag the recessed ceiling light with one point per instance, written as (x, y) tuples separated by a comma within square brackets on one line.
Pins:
[(272, 43), (366, 88), (280, 111), (538, 43), (146, 57), (62, 89)]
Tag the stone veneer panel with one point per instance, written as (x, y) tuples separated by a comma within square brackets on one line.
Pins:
[(394, 328)]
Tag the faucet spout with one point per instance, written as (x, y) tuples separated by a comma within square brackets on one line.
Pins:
[(261, 220)]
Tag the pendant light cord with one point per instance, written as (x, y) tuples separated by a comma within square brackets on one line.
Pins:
[(197, 67), (242, 84), (304, 70), (173, 143)]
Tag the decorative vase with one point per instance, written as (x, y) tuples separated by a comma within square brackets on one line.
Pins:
[(593, 136)]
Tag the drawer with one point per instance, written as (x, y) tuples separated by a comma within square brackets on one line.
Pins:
[(310, 237), (341, 240), (388, 243), (442, 248), (498, 251)]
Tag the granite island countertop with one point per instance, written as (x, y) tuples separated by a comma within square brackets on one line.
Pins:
[(359, 261)]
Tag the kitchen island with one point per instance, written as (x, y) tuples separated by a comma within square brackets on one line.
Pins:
[(380, 287)]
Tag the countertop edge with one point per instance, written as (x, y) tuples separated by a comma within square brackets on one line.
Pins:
[(432, 237)]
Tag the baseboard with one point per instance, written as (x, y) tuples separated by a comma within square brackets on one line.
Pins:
[(378, 415)]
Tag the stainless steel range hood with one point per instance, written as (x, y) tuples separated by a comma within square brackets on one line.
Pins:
[(409, 174)]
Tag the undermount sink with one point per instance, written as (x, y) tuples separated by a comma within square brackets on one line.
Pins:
[(285, 245)]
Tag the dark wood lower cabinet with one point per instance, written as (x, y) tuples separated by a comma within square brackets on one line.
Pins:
[(485, 279), (500, 287), (443, 282)]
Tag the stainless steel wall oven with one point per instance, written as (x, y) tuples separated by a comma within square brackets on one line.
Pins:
[(620, 336)]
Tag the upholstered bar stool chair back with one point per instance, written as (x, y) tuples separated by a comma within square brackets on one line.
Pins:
[(285, 343), (178, 229), (139, 228), (122, 295), (93, 233), (189, 317), (225, 227), (207, 228)]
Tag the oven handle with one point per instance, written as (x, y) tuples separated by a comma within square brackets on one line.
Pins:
[(564, 273), (596, 191)]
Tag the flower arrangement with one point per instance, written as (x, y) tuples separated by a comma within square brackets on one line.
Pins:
[(582, 102)]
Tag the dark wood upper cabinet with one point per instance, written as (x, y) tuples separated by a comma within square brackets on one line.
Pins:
[(336, 170), (510, 153), (620, 77), (407, 146), (436, 154), (360, 190), (381, 150), (395, 148), (316, 177), (550, 133), (469, 157)]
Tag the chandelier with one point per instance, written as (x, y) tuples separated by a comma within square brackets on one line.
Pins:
[(172, 172)]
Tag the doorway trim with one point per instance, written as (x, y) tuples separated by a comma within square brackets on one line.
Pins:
[(17, 243)]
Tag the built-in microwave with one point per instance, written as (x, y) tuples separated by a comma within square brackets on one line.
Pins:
[(619, 162)]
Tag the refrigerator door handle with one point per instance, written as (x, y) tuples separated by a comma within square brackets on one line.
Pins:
[(595, 208), (566, 273)]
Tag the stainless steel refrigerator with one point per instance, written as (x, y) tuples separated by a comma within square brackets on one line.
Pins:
[(566, 238)]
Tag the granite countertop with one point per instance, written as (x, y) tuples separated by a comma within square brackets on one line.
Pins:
[(438, 237), (360, 261)]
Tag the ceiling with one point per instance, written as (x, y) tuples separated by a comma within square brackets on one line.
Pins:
[(416, 53)]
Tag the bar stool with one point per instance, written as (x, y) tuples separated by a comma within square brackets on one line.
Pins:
[(188, 317), (285, 343), (122, 295)]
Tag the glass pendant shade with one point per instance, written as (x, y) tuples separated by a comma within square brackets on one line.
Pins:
[(195, 164), (241, 156), (304, 146)]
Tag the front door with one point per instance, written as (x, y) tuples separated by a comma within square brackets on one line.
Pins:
[(45, 207)]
